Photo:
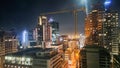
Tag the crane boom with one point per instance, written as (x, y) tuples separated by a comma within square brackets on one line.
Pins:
[(56, 12), (65, 11), (62, 11)]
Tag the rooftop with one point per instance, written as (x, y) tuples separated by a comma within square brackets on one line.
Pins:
[(35, 53)]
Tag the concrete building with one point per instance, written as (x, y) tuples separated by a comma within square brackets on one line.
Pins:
[(93, 27), (93, 56), (43, 31), (34, 58), (58, 47), (110, 31), (55, 31), (101, 28), (8, 44), (64, 39)]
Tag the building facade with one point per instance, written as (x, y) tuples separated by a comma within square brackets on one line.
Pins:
[(101, 28), (8, 44), (55, 31), (110, 31), (34, 58), (43, 31), (95, 57), (93, 27)]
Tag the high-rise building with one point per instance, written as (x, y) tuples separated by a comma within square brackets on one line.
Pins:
[(32, 41), (38, 34), (101, 29), (110, 31), (95, 57), (55, 31), (43, 31), (8, 44), (34, 58), (93, 27)]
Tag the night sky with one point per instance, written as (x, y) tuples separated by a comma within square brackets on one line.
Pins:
[(23, 14)]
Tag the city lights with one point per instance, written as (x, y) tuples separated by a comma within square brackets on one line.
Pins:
[(51, 20), (70, 34), (107, 4), (24, 36), (82, 40), (24, 39)]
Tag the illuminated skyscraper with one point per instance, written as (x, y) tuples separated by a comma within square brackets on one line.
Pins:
[(93, 27), (8, 44), (55, 31), (110, 31), (101, 29), (43, 31)]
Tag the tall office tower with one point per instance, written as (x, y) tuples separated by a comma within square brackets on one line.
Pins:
[(93, 24), (94, 57), (101, 28), (93, 27), (55, 31), (43, 31), (110, 31), (38, 34), (8, 44), (32, 42)]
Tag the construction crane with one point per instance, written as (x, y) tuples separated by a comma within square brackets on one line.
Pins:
[(66, 11)]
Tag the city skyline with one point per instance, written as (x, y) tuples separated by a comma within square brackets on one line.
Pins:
[(59, 34)]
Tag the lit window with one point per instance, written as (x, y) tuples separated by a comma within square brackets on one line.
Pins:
[(11, 65), (116, 22), (5, 65), (100, 34), (90, 20), (108, 15), (104, 34), (116, 13), (108, 20), (91, 28), (113, 16), (99, 20)]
